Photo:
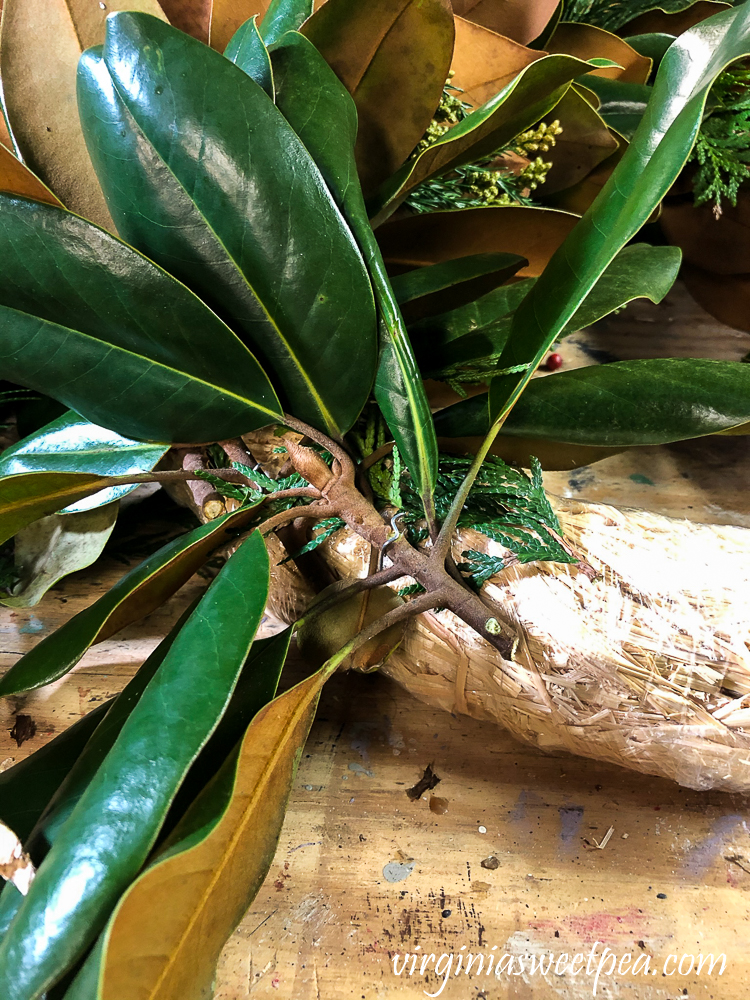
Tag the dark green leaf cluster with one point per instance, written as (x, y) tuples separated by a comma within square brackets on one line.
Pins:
[(613, 14), (722, 148)]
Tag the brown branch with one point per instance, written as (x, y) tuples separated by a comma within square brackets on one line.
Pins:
[(348, 469), (314, 510)]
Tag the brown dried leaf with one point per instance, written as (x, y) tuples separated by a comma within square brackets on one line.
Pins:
[(15, 866), (521, 20), (417, 240), (587, 42), (579, 197), (484, 62), (226, 16), (584, 144), (320, 636), (191, 16), (167, 932), (393, 57), (40, 45), (18, 179)]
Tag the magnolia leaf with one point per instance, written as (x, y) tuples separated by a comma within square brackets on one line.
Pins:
[(256, 687), (529, 96), (64, 800), (247, 50), (393, 57), (437, 288), (27, 497), (191, 16), (519, 20), (41, 43), (484, 62), (56, 546), (320, 636), (652, 45), (479, 331), (584, 144), (283, 16), (622, 404), (588, 42), (672, 17), (329, 135), (108, 333), (72, 444), (81, 758), (137, 594), (102, 846), (165, 936), (621, 105), (227, 16), (419, 240), (554, 456), (290, 281), (16, 178), (580, 196), (648, 168)]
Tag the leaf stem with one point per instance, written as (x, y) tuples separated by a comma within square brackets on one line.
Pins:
[(441, 546)]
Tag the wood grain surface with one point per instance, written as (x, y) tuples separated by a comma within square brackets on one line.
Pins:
[(501, 857)]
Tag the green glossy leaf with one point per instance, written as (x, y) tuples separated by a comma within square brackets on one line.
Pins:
[(105, 841), (247, 50), (328, 129), (136, 595), (101, 741), (531, 95), (648, 168), (72, 444), (165, 936), (452, 283), (652, 45), (481, 329), (260, 240), (620, 404), (283, 16), (31, 495), (109, 334), (56, 546), (257, 685), (622, 104), (393, 57)]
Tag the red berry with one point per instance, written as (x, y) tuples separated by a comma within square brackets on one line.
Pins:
[(553, 362)]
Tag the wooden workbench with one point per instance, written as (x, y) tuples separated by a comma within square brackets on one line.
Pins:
[(673, 878)]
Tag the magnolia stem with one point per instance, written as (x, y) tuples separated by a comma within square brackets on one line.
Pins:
[(348, 468), (442, 545), (283, 517), (343, 590)]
